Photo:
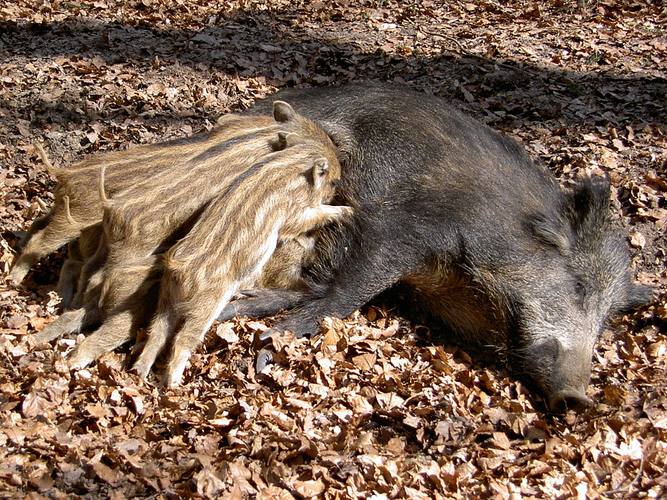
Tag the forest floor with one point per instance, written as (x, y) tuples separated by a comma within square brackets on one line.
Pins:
[(375, 406)]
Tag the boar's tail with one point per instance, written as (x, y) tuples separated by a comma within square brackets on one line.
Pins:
[(58, 173)]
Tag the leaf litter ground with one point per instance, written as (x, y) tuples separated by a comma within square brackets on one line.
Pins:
[(375, 406)]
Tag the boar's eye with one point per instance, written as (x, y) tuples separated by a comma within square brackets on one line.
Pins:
[(580, 291)]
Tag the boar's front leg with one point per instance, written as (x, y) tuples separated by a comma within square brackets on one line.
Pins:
[(262, 302), (370, 267)]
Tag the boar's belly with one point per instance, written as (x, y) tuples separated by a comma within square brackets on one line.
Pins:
[(449, 295)]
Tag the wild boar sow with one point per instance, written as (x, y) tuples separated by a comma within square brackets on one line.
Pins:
[(490, 242)]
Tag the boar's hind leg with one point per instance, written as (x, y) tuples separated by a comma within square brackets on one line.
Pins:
[(262, 302), (370, 267)]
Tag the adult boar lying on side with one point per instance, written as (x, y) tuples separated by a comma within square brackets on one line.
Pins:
[(490, 242)]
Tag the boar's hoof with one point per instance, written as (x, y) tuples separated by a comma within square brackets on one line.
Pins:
[(240, 306), (266, 354), (261, 302), (569, 399), (264, 359), (264, 339)]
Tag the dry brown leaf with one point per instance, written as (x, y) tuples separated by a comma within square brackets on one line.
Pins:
[(382, 407)]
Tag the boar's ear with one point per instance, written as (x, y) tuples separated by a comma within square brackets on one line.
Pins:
[(589, 201), (552, 231), (638, 295), (283, 112), (319, 172)]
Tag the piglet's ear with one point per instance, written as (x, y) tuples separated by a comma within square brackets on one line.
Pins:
[(321, 167), (319, 172), (283, 112), (285, 140), (289, 138)]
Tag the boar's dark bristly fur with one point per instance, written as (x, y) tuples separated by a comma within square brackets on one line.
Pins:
[(490, 242)]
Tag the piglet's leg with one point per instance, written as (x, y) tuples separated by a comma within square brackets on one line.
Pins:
[(158, 335), (185, 342), (115, 331), (91, 274), (192, 334), (59, 229), (127, 312), (70, 322), (69, 275), (40, 244), (321, 215)]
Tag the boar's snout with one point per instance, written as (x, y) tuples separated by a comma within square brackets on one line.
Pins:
[(561, 373), (569, 399)]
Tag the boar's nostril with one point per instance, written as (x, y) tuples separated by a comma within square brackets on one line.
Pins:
[(569, 399)]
